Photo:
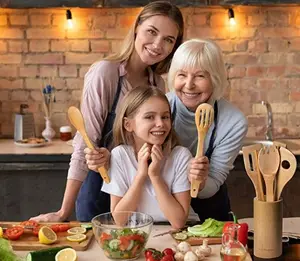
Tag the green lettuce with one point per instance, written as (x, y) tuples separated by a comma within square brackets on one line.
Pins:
[(6, 252)]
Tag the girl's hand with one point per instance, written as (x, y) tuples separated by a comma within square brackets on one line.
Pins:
[(97, 158), (143, 157), (156, 160), (198, 170), (49, 217)]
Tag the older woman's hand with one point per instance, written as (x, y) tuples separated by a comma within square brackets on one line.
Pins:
[(198, 170), (97, 158)]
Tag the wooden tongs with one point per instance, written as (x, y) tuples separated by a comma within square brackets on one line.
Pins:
[(77, 121), (204, 118)]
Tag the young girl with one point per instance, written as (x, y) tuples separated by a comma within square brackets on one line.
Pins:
[(145, 54), (148, 170)]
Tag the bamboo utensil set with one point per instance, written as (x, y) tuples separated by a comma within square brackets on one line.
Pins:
[(269, 168)]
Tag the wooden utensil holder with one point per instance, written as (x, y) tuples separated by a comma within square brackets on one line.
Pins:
[(267, 228)]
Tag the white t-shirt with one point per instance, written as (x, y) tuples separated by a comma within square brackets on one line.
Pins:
[(123, 169)]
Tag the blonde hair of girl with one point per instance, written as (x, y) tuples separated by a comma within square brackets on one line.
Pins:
[(201, 54), (131, 102), (154, 8)]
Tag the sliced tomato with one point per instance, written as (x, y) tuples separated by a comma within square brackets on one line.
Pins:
[(135, 237), (36, 230), (134, 250), (55, 228), (29, 223), (14, 233), (64, 227), (125, 242), (104, 236)]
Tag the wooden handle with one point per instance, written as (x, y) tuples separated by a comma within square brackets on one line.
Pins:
[(102, 170)]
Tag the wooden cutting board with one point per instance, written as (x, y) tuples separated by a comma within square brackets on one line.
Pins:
[(197, 241), (28, 241)]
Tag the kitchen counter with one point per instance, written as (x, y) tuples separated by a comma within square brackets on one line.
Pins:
[(95, 253)]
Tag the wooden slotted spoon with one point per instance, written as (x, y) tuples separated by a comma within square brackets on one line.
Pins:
[(204, 118), (77, 121), (250, 153), (269, 160), (286, 172)]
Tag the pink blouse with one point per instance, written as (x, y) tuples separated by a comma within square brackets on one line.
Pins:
[(100, 87)]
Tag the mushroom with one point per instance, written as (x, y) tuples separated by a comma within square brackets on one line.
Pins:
[(199, 254), (179, 256), (183, 247), (204, 248), (190, 256)]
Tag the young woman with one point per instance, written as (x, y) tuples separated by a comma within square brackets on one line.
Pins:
[(198, 75), (159, 187), (146, 53)]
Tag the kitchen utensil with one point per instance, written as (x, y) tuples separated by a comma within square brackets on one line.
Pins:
[(287, 168), (204, 117), (268, 161), (24, 124), (77, 121), (250, 155)]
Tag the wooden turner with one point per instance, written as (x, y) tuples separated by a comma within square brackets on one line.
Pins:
[(250, 155), (269, 160), (204, 118), (287, 168), (77, 121)]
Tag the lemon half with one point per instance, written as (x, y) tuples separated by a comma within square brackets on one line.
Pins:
[(77, 238), (77, 230), (1, 232), (67, 254), (47, 235)]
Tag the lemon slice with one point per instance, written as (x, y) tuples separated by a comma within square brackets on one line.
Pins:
[(67, 254), (1, 232), (77, 230), (77, 237), (47, 235)]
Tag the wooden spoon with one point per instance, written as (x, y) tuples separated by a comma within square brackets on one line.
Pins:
[(268, 160), (250, 155), (77, 121), (204, 118), (287, 168)]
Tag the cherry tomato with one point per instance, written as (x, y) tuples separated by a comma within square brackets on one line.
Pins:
[(29, 223), (153, 258), (55, 228), (14, 233), (151, 254), (168, 258), (36, 230), (63, 227), (148, 253), (168, 252)]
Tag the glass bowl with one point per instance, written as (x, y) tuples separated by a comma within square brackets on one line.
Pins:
[(122, 235)]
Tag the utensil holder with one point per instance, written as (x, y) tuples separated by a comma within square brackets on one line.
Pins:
[(267, 228)]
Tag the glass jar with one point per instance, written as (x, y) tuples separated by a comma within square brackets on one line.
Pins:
[(65, 133), (232, 249)]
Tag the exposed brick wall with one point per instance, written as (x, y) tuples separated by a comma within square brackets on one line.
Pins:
[(262, 53)]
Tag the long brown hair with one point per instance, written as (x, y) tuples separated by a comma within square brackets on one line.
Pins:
[(131, 102), (154, 8)]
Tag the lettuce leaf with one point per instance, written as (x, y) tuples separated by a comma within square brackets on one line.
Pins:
[(6, 252)]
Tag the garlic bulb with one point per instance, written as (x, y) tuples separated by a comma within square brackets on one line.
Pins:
[(204, 248), (190, 256)]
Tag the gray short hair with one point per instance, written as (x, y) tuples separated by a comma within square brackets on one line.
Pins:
[(204, 54)]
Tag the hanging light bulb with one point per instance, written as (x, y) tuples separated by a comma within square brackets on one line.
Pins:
[(231, 17), (69, 19)]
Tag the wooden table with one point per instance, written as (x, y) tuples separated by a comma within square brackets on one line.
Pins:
[(95, 253)]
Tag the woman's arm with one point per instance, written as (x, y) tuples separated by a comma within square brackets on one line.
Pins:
[(175, 207)]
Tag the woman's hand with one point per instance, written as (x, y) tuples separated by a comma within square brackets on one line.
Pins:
[(143, 157), (156, 160), (198, 170), (97, 158), (49, 217)]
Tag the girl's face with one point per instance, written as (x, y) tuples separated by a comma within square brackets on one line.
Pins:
[(193, 87), (155, 39), (151, 123)]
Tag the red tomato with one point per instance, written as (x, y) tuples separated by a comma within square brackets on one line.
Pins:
[(168, 258), (63, 227), (104, 236), (125, 242), (55, 228), (36, 230), (151, 254), (153, 258), (14, 233), (29, 223), (168, 252), (148, 253)]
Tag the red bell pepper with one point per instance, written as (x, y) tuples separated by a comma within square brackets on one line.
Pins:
[(242, 232)]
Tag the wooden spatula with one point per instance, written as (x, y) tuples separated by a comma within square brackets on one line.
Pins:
[(287, 168), (269, 160), (250, 155), (204, 118), (77, 121)]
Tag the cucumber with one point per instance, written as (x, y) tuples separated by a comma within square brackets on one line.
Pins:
[(44, 254), (87, 226), (180, 236), (114, 244)]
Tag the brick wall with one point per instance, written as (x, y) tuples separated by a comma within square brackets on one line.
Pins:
[(262, 53)]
